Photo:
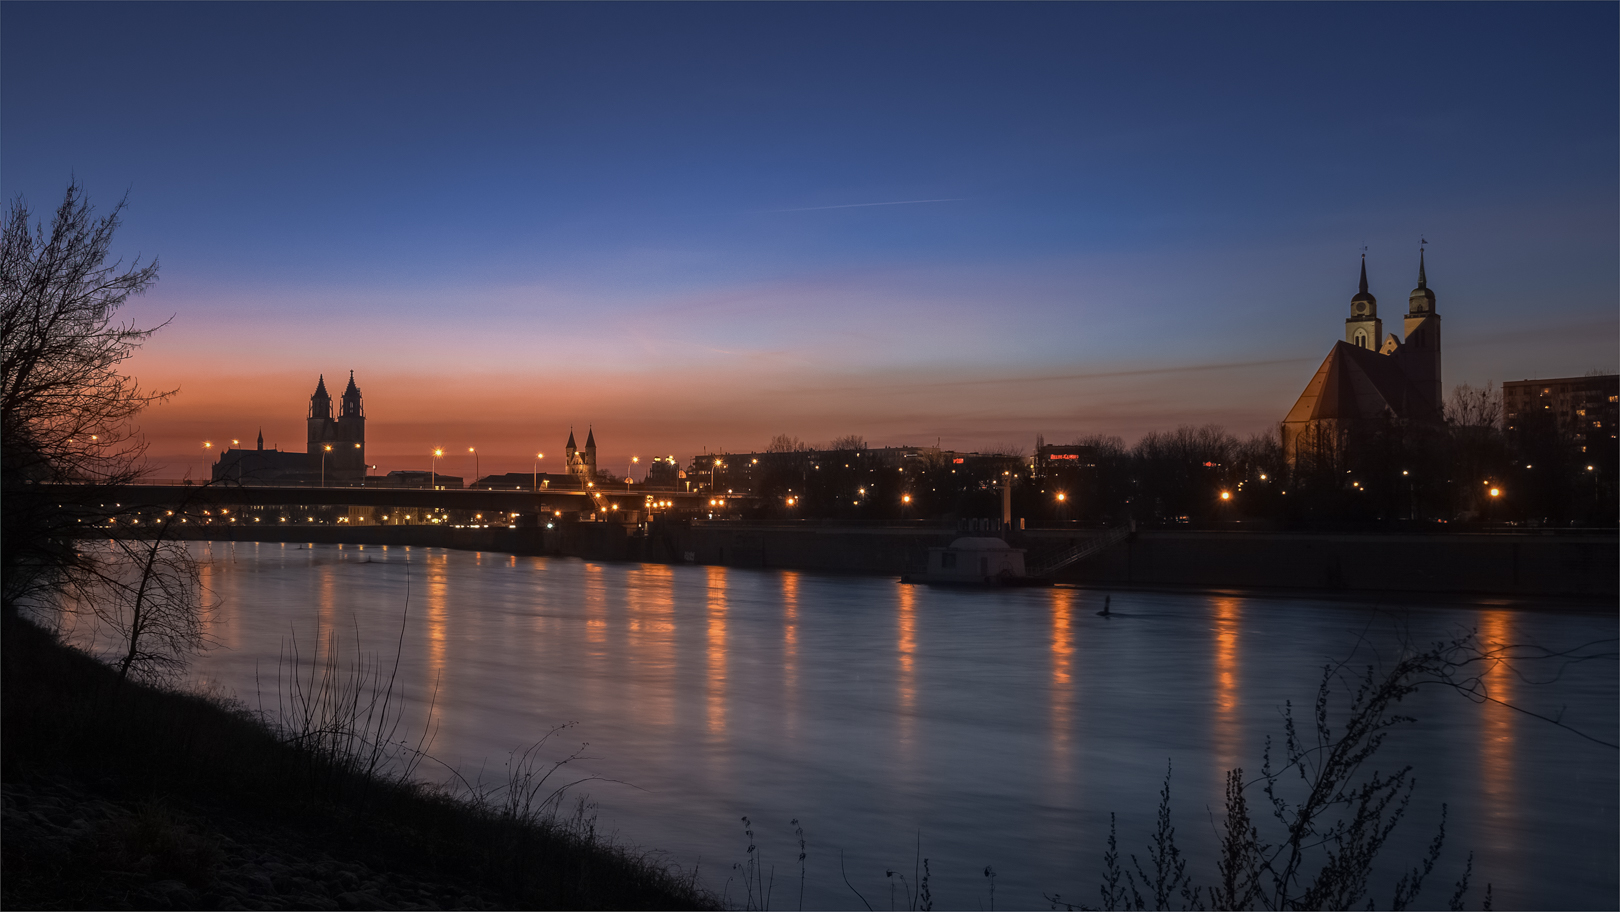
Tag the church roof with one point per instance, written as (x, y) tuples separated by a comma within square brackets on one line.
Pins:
[(590, 438), (320, 389), (1354, 383), (571, 439), (352, 390)]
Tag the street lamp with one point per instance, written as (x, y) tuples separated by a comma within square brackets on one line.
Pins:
[(433, 468), (476, 471), (324, 450), (537, 458)]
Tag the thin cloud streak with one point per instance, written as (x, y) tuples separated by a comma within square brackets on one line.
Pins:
[(954, 199)]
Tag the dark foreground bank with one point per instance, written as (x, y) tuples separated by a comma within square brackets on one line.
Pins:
[(118, 795)]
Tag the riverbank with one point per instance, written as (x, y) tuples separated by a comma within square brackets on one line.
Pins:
[(1563, 564), (118, 795)]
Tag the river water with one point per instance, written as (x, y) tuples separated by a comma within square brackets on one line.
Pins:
[(979, 729)]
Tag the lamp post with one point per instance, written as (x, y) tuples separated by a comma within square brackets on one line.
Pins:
[(537, 458), (327, 448), (433, 468), (476, 471)]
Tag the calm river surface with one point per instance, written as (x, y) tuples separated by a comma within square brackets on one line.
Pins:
[(993, 728)]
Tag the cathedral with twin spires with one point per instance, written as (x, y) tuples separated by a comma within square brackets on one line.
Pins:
[(1370, 375), (334, 451), (339, 442)]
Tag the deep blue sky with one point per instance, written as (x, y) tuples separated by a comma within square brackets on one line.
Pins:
[(660, 217)]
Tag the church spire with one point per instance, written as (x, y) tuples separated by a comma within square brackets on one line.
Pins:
[(261, 438), (352, 406), (1422, 298), (1363, 273), (320, 404), (590, 439)]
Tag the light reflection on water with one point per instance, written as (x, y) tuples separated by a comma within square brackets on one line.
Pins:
[(999, 728)]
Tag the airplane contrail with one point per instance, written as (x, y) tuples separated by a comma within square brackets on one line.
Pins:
[(954, 199)]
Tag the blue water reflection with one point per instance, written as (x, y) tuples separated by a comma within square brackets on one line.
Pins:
[(998, 728)]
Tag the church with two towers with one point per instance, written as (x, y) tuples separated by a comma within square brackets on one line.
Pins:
[(1372, 376), (334, 451)]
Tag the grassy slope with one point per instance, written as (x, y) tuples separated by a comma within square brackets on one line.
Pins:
[(214, 779)]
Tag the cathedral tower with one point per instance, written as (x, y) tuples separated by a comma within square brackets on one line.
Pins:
[(347, 461), (581, 463), (1420, 353), (321, 425), (1364, 329)]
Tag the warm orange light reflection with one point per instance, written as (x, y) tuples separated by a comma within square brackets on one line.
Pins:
[(436, 568), (1228, 722), (1062, 691), (1496, 738), (651, 637), (717, 650), (908, 662), (595, 609), (790, 646)]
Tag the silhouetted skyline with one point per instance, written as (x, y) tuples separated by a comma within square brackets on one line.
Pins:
[(698, 226)]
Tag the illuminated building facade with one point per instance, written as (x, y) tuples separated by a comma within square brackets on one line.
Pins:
[(582, 463), (1586, 409)]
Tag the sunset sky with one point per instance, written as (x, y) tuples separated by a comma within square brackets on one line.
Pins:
[(701, 225)]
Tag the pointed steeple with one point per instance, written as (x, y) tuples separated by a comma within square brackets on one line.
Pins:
[(1363, 305), (1422, 299), (590, 439), (320, 404), (571, 447), (351, 407), (261, 438)]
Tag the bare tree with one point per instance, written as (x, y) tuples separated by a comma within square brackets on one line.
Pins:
[(1474, 407), (65, 407), (145, 595), (787, 443), (848, 442)]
